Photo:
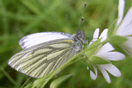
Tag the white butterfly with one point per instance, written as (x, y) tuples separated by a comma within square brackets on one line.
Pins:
[(45, 52)]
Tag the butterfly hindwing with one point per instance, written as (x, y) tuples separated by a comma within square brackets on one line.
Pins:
[(40, 60)]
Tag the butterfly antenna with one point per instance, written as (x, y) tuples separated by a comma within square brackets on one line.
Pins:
[(82, 18)]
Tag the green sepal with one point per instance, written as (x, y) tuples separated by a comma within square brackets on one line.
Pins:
[(56, 83), (90, 66), (98, 60), (118, 48), (117, 39), (111, 29), (91, 51)]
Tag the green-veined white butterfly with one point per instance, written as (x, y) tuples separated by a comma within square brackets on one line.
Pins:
[(45, 52)]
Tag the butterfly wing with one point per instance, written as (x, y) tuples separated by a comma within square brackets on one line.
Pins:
[(40, 60), (37, 38)]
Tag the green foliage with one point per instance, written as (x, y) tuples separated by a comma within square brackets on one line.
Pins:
[(98, 60), (39, 82), (56, 83), (21, 17), (90, 65), (28, 86), (93, 50), (116, 42), (117, 39)]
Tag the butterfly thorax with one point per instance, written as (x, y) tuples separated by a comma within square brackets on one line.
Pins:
[(79, 39)]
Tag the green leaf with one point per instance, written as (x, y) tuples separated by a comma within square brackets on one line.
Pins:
[(56, 83), (39, 82), (98, 60), (117, 39)]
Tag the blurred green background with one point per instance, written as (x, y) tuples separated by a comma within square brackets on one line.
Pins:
[(21, 17)]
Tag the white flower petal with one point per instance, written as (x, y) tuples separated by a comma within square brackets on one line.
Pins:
[(92, 75), (125, 29), (105, 74), (121, 8), (113, 56), (104, 34), (95, 36), (112, 69), (104, 49)]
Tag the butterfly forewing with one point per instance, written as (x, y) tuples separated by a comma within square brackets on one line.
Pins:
[(40, 60), (38, 38)]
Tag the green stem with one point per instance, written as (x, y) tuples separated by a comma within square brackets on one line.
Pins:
[(75, 61), (25, 82), (8, 76), (68, 62)]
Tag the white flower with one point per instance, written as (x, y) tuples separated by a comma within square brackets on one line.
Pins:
[(104, 52), (124, 27)]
